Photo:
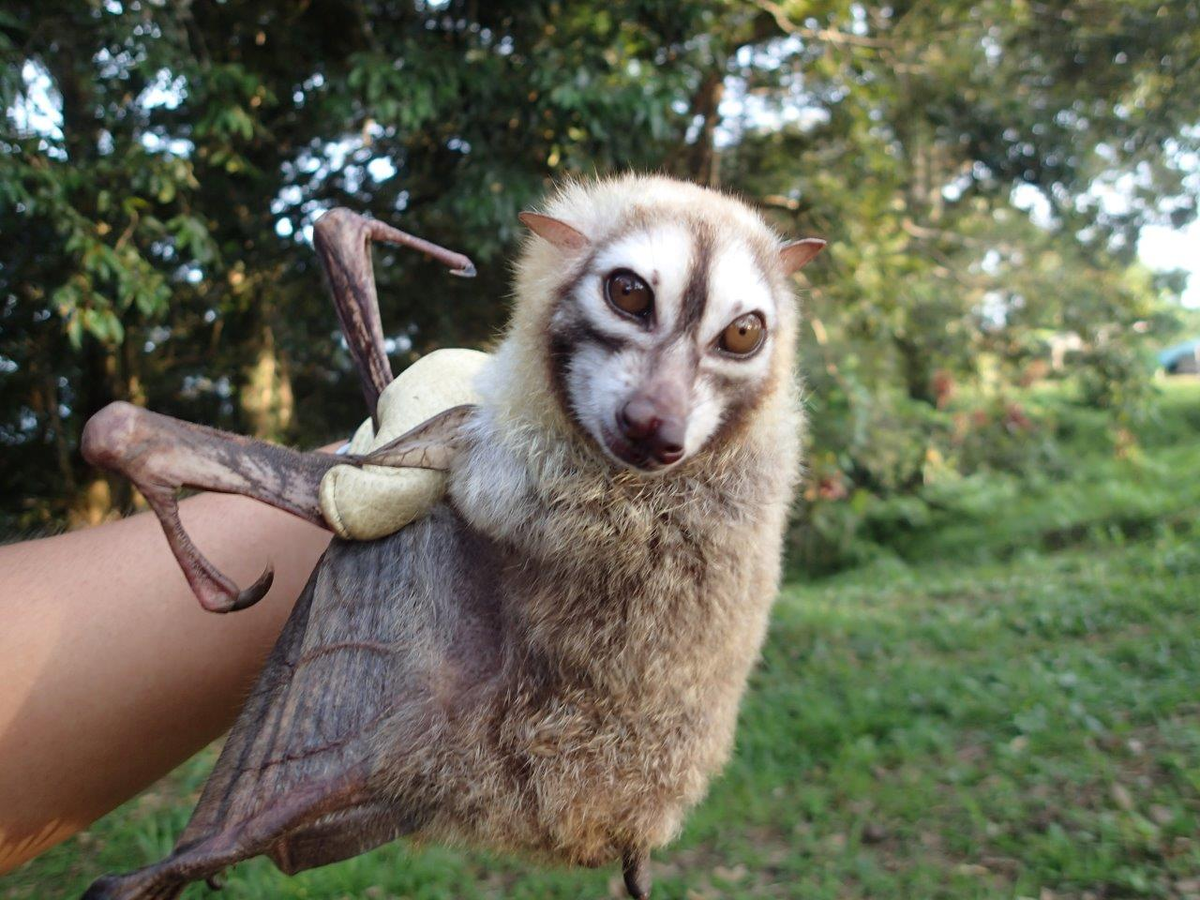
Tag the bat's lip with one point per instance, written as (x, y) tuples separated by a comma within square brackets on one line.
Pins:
[(632, 456)]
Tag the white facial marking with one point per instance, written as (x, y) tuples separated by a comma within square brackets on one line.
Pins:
[(662, 256), (683, 372), (596, 380), (708, 408), (736, 286)]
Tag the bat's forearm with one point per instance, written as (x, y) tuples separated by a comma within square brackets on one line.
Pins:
[(160, 455), (112, 675)]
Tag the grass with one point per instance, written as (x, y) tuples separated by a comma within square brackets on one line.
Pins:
[(1000, 715), (1087, 495)]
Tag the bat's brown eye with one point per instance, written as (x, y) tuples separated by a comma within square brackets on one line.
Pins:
[(628, 293), (743, 335)]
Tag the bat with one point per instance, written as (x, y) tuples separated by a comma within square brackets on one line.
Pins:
[(551, 660)]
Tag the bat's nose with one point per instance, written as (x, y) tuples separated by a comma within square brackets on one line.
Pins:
[(649, 428)]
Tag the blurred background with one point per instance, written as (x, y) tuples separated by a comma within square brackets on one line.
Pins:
[(984, 673)]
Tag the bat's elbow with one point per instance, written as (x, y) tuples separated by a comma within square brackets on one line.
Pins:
[(332, 222), (108, 432)]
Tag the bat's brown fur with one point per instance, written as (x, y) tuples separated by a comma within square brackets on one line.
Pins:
[(633, 607)]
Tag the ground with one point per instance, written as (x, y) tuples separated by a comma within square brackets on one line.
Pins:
[(1009, 709)]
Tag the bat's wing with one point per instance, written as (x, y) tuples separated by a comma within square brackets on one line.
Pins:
[(430, 445), (357, 646)]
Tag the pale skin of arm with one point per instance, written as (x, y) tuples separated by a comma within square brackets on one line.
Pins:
[(112, 674)]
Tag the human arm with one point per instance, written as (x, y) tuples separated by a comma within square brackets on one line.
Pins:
[(111, 673)]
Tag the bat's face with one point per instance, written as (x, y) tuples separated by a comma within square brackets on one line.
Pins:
[(665, 312), (667, 332)]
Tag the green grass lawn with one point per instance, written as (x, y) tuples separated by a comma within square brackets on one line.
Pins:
[(1016, 723)]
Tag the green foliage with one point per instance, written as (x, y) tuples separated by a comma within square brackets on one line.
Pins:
[(916, 139), (163, 194), (1041, 474)]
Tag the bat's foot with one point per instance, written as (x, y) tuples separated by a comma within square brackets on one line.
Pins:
[(133, 886), (636, 869), (248, 597)]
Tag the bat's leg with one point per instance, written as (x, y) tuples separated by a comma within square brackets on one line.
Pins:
[(636, 869), (205, 858), (343, 242), (160, 455)]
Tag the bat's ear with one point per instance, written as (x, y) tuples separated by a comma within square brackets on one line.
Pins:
[(795, 255), (556, 231)]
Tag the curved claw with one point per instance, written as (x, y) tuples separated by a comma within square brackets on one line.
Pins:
[(458, 263), (216, 591), (255, 592)]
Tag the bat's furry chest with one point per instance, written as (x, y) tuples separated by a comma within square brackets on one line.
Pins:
[(630, 613), (592, 773)]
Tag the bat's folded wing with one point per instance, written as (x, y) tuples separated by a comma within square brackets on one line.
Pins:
[(348, 660)]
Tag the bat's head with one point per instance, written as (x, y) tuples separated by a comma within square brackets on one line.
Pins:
[(663, 314)]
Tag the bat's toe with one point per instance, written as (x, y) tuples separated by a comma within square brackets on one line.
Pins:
[(256, 591), (104, 888), (131, 887)]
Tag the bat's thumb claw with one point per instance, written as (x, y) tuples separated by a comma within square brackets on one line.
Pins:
[(256, 591), (467, 271), (216, 592)]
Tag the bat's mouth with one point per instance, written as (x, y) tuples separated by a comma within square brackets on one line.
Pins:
[(635, 455)]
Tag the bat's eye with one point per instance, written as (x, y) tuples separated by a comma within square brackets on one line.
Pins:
[(628, 293), (743, 335)]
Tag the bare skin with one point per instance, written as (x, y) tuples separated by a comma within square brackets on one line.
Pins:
[(112, 674)]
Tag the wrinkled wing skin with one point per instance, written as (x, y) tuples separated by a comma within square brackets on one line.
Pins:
[(347, 659), (430, 445)]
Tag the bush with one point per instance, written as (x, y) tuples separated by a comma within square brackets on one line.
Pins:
[(987, 475)]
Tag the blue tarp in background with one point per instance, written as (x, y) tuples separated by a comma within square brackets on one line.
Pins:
[(1170, 357)]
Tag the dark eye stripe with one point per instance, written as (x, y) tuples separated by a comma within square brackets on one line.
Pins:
[(578, 330), (586, 332), (695, 295)]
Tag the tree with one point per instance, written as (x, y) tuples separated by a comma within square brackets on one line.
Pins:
[(918, 137), (165, 213), (164, 200)]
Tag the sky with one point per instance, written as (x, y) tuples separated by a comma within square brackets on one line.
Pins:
[(1166, 248)]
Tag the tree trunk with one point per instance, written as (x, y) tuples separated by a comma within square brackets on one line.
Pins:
[(915, 368), (702, 158), (265, 397), (75, 85)]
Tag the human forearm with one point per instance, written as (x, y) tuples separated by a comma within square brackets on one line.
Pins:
[(111, 672)]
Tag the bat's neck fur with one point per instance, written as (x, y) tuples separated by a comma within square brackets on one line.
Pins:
[(643, 572)]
